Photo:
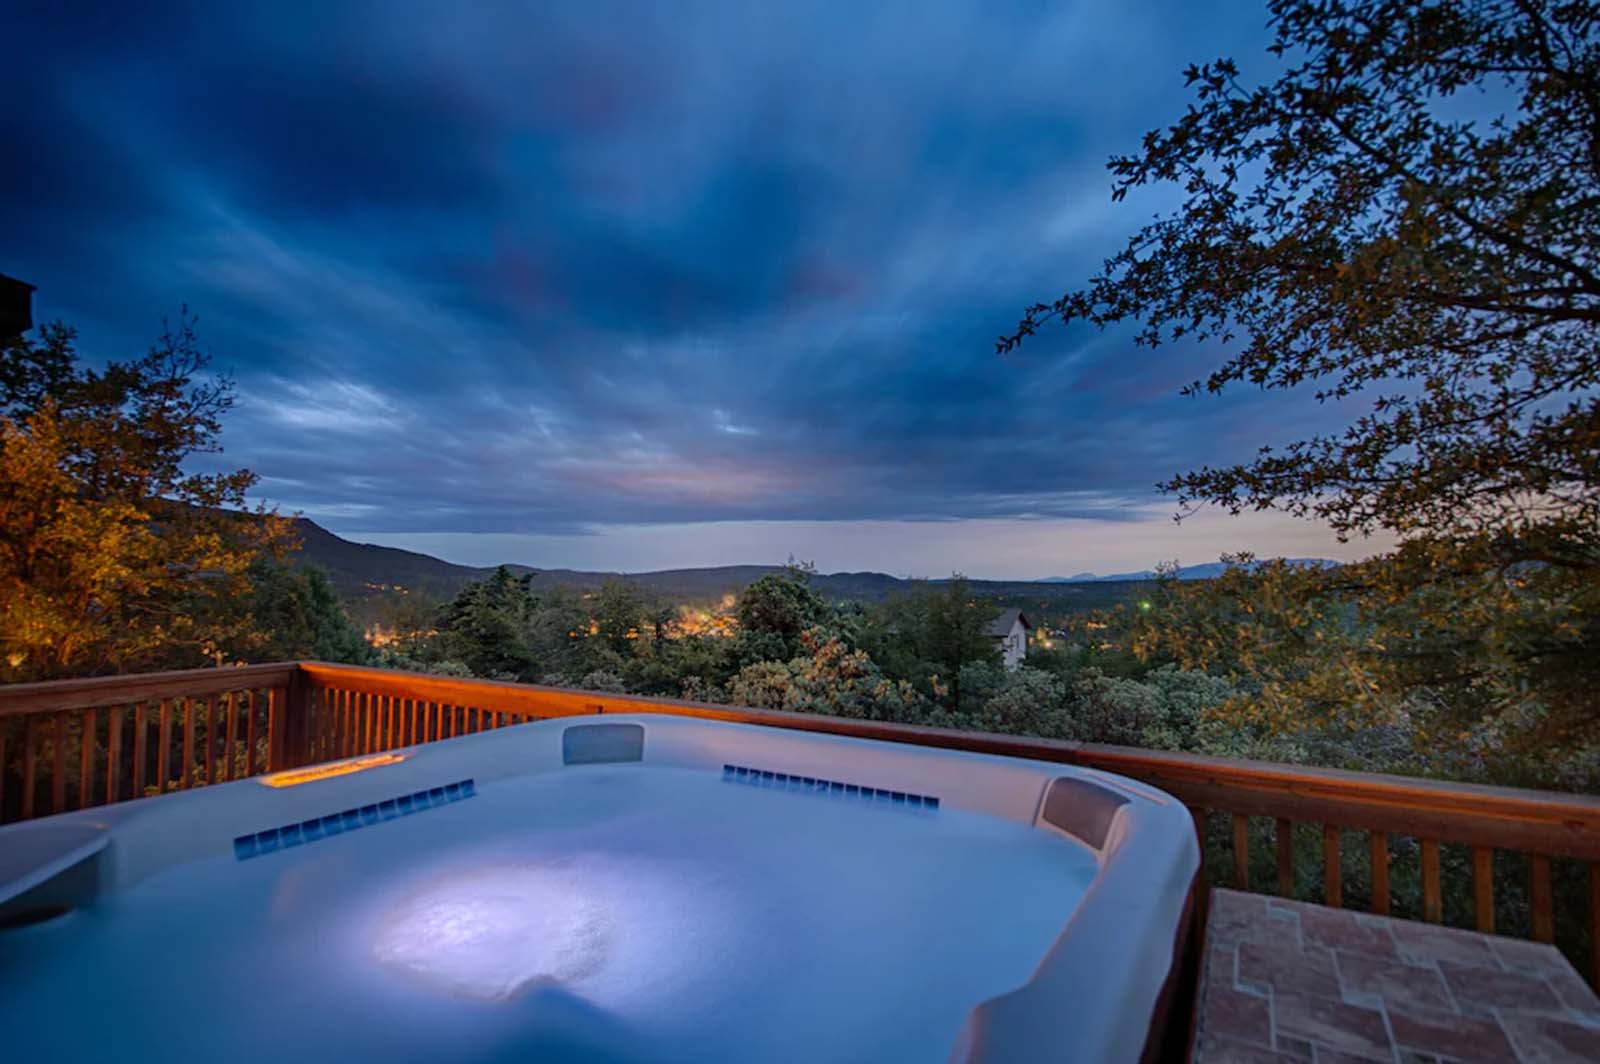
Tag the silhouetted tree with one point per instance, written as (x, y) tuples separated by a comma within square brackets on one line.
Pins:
[(1409, 211), (113, 556)]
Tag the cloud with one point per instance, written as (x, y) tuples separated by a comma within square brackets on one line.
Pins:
[(505, 270)]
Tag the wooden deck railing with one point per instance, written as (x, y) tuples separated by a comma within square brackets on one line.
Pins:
[(1425, 848), (71, 744)]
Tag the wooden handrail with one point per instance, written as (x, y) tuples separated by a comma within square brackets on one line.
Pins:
[(530, 701), (1511, 818), (19, 698)]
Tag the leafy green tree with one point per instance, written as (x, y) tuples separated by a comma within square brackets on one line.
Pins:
[(621, 616), (1022, 701), (113, 556), (957, 630), (829, 678), (409, 620), (776, 610), (1406, 215), (558, 635), (487, 627), (931, 635), (296, 614)]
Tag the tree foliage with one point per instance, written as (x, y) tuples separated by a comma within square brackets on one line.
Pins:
[(295, 614), (776, 610), (1411, 210), (931, 636), (1406, 217), (113, 555)]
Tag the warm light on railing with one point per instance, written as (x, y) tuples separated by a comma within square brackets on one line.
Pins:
[(295, 777)]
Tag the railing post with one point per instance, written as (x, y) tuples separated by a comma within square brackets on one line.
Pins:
[(288, 723), (297, 722)]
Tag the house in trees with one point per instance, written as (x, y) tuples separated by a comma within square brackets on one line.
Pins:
[(1010, 632)]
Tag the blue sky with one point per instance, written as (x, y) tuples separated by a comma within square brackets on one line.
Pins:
[(629, 286)]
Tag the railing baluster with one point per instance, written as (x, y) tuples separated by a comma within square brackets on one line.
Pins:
[(211, 738), (30, 766), (1285, 844), (141, 742), (251, 708), (1332, 869), (316, 725), (335, 703), (164, 746), (274, 730), (1241, 852), (330, 707), (1432, 904), (1594, 926), (186, 777), (113, 753), (363, 723), (1202, 888), (86, 756), (319, 701), (231, 734), (5, 726), (347, 709), (1540, 898), (327, 705), (58, 764), (352, 723), (1378, 848), (1483, 888)]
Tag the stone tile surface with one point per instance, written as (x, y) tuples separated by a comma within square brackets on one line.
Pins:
[(1290, 981)]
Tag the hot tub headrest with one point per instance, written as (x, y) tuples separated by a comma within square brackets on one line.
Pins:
[(1082, 808)]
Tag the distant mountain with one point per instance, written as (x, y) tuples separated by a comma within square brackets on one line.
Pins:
[(366, 568), (363, 573), (1208, 571)]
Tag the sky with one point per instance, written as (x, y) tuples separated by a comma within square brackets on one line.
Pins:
[(629, 286)]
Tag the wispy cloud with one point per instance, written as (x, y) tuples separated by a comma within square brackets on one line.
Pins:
[(504, 269)]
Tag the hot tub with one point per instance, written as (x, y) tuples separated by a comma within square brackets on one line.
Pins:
[(617, 888)]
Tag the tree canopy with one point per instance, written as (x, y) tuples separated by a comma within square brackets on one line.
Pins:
[(1404, 219), (1410, 210), (113, 554)]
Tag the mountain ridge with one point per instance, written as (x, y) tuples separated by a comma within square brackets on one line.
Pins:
[(1205, 571), (365, 573)]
